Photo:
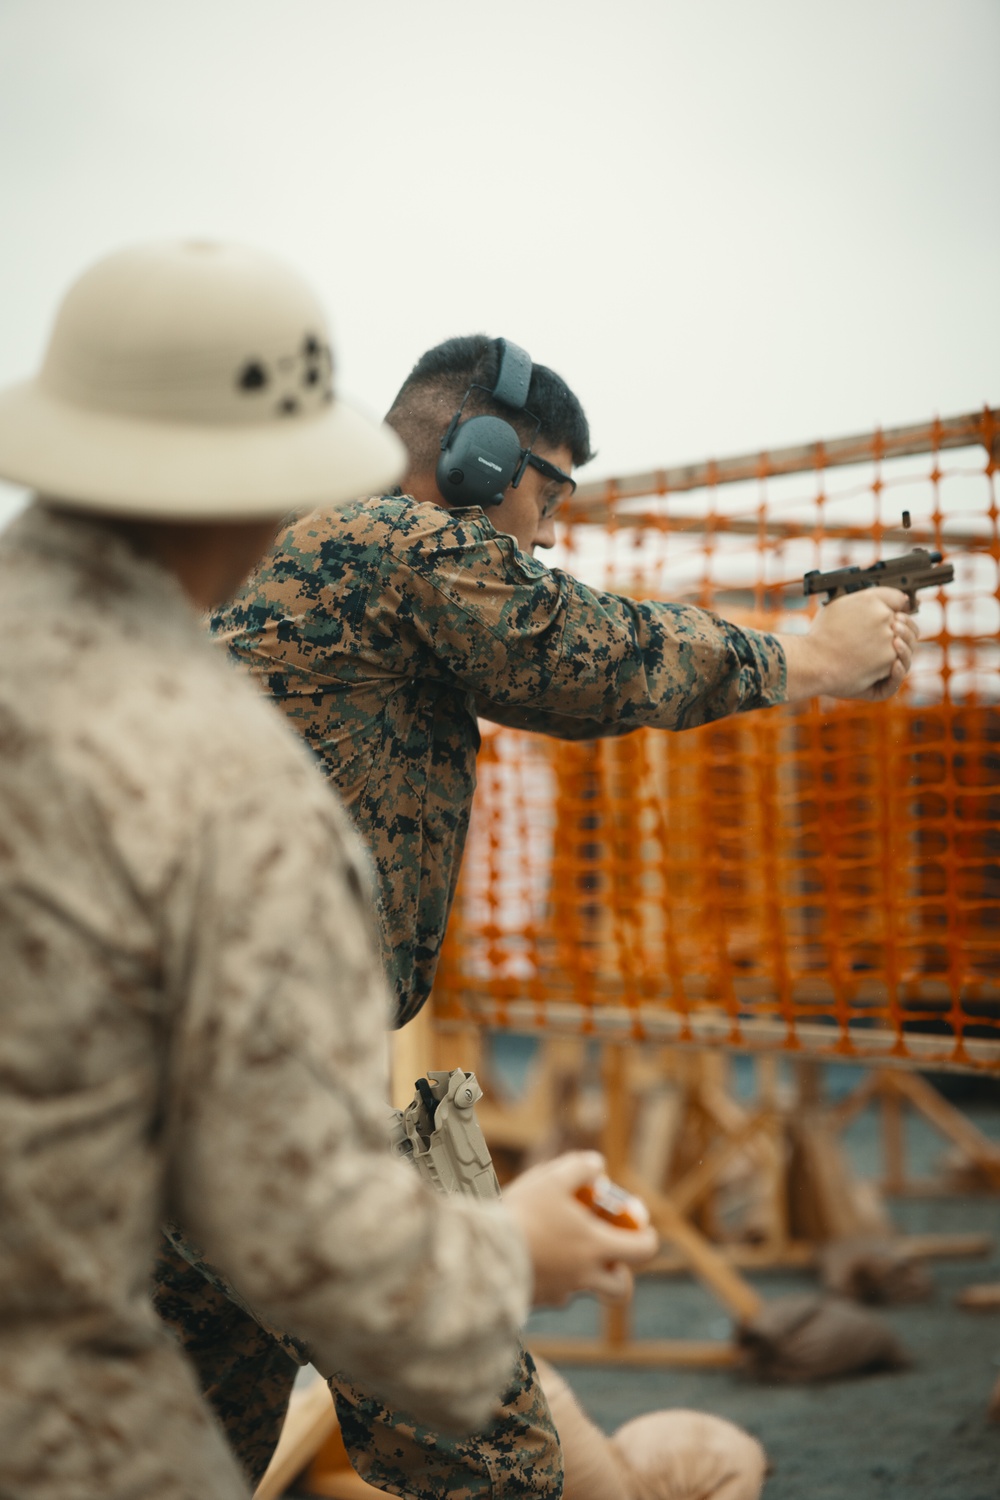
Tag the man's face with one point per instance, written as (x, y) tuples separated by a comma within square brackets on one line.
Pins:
[(528, 513)]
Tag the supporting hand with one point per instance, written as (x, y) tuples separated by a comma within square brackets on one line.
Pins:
[(572, 1250)]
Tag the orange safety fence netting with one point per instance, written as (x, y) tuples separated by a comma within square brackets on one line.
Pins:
[(824, 878)]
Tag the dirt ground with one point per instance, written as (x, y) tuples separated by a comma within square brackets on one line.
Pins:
[(922, 1432)]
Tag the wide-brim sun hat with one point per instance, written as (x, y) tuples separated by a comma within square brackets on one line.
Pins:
[(191, 381)]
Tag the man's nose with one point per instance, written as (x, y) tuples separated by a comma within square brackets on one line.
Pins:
[(545, 536)]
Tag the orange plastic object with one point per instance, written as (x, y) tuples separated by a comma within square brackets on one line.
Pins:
[(609, 1201), (821, 880)]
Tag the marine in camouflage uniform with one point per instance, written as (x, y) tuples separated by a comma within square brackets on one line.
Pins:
[(382, 631), (385, 629)]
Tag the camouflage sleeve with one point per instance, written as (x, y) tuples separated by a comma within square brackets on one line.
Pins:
[(543, 721), (524, 636), (279, 1121)]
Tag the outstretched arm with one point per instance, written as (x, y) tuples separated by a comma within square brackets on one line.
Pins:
[(542, 651), (860, 646)]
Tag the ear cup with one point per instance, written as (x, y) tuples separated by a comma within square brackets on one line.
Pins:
[(479, 462)]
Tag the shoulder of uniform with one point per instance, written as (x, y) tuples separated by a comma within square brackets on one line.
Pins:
[(404, 522), (390, 529)]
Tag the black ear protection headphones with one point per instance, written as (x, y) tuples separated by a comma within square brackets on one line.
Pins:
[(483, 456)]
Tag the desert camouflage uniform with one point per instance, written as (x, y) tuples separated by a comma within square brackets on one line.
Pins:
[(192, 1026), (382, 631)]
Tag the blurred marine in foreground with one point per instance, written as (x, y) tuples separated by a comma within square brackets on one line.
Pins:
[(193, 1010)]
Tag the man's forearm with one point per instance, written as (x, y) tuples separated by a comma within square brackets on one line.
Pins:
[(808, 672)]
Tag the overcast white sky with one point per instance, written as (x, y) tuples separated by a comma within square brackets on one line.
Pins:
[(729, 223)]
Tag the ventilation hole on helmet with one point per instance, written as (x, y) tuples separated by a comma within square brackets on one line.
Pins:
[(252, 377)]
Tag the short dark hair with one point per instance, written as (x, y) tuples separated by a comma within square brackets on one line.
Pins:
[(432, 393)]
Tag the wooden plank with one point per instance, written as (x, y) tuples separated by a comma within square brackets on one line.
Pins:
[(410, 1054), (945, 1246), (687, 1192), (615, 1131), (787, 531), (982, 1298), (699, 1029), (617, 1324), (791, 1255), (941, 1187), (776, 1204), (704, 1259), (342, 1484), (594, 500), (725, 1111), (949, 1121), (311, 1419), (893, 1140), (663, 1353), (840, 1115), (799, 1255), (658, 1123)]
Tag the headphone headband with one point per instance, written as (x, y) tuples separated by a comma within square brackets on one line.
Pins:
[(513, 376)]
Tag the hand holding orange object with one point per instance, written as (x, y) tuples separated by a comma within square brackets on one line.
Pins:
[(575, 1246), (609, 1201)]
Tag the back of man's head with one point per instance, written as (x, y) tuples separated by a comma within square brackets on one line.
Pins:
[(433, 391)]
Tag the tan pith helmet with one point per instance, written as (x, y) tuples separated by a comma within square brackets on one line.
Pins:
[(191, 380)]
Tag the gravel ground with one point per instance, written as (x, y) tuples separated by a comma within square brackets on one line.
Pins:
[(921, 1432)]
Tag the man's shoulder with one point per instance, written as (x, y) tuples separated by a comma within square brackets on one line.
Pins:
[(320, 577), (391, 525)]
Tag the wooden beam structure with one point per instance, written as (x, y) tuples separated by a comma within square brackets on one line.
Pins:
[(596, 500), (717, 1027)]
